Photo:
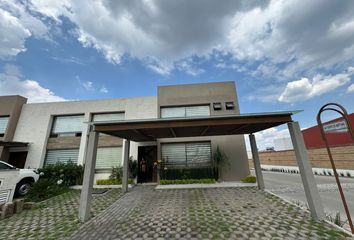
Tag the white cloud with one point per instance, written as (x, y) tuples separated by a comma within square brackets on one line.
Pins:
[(165, 31), (187, 67), (279, 37), (104, 90), (350, 88), (284, 33), (303, 89), (12, 35), (88, 86), (266, 138), (16, 25), (11, 83)]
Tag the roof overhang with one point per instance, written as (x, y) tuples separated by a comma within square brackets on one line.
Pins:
[(152, 129), (13, 144)]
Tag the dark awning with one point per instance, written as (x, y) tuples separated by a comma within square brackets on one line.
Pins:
[(152, 129), (13, 144)]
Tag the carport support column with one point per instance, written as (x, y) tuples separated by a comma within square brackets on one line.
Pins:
[(126, 146), (308, 179), (256, 162), (89, 173)]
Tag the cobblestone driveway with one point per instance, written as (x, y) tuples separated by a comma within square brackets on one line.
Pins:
[(220, 213), (55, 218)]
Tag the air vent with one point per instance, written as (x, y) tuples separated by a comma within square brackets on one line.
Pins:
[(229, 105), (217, 106)]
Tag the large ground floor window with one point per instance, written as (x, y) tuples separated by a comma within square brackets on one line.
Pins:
[(54, 156), (186, 155), (186, 160), (108, 157)]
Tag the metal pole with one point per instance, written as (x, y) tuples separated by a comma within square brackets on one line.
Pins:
[(319, 121)]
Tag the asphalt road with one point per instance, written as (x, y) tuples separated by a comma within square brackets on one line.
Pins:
[(290, 187)]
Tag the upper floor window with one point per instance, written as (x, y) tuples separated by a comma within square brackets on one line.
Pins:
[(186, 111), (3, 125), (98, 117), (67, 125)]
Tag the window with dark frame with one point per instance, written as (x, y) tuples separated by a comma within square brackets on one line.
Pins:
[(4, 120), (185, 111), (67, 126)]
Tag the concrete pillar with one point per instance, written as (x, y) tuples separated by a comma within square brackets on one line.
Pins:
[(256, 162), (308, 179), (87, 184), (158, 146), (126, 146)]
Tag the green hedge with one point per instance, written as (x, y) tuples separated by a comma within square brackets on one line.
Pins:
[(44, 189), (67, 174), (190, 173), (112, 181), (187, 181), (249, 179)]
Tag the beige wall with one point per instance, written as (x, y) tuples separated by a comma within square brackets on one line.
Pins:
[(343, 157), (35, 122), (208, 93), (10, 106)]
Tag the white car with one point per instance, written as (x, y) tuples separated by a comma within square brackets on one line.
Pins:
[(25, 179)]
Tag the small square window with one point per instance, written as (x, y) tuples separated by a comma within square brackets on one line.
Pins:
[(217, 106), (229, 105)]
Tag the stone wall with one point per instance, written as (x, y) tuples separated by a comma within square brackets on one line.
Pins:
[(343, 157)]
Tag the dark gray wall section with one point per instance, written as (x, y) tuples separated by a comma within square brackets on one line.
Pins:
[(209, 93), (193, 94), (10, 106)]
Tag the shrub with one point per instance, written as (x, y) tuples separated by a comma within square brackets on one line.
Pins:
[(112, 181), (133, 167), (44, 189), (117, 173), (249, 179), (187, 181), (69, 173)]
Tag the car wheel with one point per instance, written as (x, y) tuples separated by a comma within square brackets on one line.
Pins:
[(23, 187)]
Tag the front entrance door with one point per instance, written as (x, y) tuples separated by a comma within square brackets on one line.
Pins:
[(147, 171), (18, 159)]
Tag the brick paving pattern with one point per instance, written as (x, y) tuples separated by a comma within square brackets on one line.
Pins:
[(55, 218), (219, 213)]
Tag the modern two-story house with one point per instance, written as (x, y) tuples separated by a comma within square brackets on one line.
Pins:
[(38, 134)]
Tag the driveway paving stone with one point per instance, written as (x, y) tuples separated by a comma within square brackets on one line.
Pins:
[(55, 218), (215, 213)]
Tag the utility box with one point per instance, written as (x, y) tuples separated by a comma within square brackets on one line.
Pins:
[(8, 182)]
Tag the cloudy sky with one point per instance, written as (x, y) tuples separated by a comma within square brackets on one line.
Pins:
[(283, 55)]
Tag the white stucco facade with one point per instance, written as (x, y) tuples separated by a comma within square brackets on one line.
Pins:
[(35, 122)]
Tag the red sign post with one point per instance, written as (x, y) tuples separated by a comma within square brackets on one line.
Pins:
[(340, 126)]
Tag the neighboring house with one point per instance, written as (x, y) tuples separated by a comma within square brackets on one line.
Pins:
[(47, 133)]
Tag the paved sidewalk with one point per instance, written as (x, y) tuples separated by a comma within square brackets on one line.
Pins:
[(206, 185), (218, 213)]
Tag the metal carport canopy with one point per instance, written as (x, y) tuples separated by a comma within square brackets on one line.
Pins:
[(152, 129)]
